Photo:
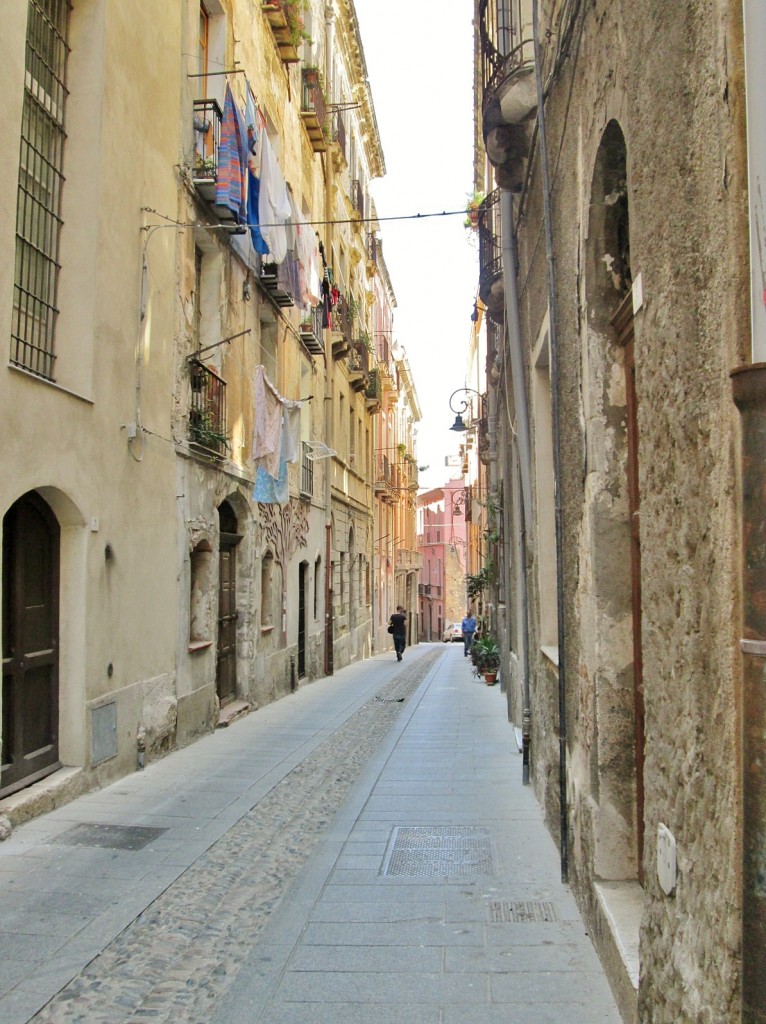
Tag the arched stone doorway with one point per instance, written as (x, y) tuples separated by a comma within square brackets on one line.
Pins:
[(30, 643), (611, 597)]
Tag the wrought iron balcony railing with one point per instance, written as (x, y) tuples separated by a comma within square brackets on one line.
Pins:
[(357, 197), (207, 409), (507, 46), (490, 243), (373, 391), (207, 139), (343, 327), (339, 132), (312, 332)]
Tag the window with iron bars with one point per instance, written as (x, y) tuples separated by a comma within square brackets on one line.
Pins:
[(38, 209)]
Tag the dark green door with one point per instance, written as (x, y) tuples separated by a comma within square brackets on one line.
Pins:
[(30, 643)]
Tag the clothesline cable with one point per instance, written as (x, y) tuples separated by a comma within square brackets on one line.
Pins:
[(309, 223)]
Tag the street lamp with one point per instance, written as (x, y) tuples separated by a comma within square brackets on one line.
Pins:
[(459, 424)]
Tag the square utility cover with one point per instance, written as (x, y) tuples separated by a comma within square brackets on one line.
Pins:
[(113, 837), (439, 851)]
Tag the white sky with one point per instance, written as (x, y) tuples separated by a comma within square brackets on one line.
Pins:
[(420, 63)]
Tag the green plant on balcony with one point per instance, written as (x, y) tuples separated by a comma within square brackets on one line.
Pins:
[(205, 431), (475, 199), (294, 11)]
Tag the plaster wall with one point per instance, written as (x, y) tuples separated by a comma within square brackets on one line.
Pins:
[(67, 439)]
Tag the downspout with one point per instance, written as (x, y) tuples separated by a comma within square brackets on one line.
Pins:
[(556, 431), (329, 371), (519, 375), (749, 390)]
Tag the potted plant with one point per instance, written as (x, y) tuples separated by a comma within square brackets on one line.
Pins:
[(486, 656), (475, 199)]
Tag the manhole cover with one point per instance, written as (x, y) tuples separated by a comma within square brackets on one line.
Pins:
[(521, 911), (113, 837), (446, 852)]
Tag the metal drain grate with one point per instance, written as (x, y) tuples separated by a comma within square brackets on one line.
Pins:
[(446, 852), (388, 700), (112, 837), (521, 911)]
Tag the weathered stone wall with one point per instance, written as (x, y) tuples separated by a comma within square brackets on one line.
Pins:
[(670, 76)]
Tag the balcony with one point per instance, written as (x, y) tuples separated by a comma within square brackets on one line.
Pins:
[(312, 332), (410, 473), (314, 109), (207, 410), (373, 392), (491, 287), (357, 200), (374, 253), (342, 328), (339, 138), (358, 364), (509, 87), (284, 21), (384, 484), (277, 289), (409, 560), (206, 122)]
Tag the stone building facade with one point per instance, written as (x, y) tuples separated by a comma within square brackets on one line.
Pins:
[(173, 554), (618, 304)]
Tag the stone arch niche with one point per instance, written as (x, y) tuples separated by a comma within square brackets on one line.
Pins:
[(606, 762)]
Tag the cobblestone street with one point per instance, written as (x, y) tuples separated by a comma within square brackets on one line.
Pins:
[(214, 944)]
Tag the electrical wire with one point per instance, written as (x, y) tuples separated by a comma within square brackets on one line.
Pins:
[(311, 223)]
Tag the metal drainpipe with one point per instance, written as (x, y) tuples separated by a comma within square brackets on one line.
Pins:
[(749, 390), (556, 431), (329, 366), (519, 380), (526, 719), (749, 387)]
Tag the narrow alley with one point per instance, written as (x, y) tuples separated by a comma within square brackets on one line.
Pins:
[(361, 850)]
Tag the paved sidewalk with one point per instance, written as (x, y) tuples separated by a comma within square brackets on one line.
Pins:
[(435, 897), (360, 851)]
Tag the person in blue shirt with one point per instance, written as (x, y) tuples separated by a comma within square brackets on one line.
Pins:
[(468, 625)]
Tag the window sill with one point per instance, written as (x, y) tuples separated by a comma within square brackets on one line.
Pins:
[(266, 629), (551, 653), (199, 645)]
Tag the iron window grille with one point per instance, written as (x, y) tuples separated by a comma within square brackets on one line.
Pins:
[(38, 209), (307, 471)]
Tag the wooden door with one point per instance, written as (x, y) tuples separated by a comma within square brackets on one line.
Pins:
[(30, 643), (226, 659), (302, 581)]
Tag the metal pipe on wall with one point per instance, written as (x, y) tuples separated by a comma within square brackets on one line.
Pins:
[(749, 388)]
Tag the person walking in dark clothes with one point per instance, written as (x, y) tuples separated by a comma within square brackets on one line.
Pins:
[(398, 624)]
